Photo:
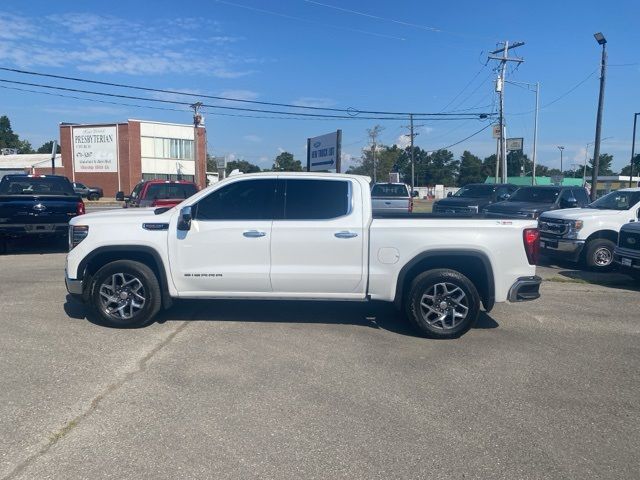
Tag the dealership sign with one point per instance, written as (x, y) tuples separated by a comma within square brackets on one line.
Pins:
[(323, 152), (95, 149)]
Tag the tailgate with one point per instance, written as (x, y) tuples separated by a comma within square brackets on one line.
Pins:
[(21, 209), (395, 203)]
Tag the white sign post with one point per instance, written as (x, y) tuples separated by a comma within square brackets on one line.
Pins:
[(95, 149), (323, 152)]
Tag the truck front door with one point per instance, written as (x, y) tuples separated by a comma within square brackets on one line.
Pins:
[(227, 249)]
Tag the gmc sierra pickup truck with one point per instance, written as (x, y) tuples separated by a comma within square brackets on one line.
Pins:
[(299, 236)]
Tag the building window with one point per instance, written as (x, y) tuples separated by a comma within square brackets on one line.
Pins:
[(167, 176), (172, 148)]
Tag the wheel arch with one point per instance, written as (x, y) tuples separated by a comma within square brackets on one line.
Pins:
[(606, 233), (473, 264), (148, 256)]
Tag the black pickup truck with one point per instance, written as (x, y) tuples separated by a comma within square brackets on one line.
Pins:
[(36, 205)]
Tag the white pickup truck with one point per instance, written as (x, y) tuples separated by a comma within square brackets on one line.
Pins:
[(299, 236), (589, 233)]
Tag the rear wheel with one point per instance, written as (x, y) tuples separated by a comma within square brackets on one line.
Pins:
[(93, 196), (599, 254), (442, 303), (126, 294)]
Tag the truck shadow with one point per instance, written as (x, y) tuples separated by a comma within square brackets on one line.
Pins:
[(36, 246), (376, 315), (572, 273)]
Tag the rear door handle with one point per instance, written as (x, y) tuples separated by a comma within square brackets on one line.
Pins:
[(253, 234), (345, 234)]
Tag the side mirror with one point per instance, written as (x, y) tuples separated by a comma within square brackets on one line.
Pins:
[(414, 193), (503, 197), (449, 194), (184, 220), (569, 203), (120, 196)]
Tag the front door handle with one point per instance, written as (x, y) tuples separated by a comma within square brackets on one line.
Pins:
[(253, 234), (345, 234)]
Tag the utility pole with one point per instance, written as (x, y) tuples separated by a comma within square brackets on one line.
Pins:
[(197, 119), (54, 148), (596, 148), (535, 137), (412, 135), (373, 135), (633, 147), (500, 83)]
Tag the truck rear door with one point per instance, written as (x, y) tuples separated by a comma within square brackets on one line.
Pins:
[(317, 248)]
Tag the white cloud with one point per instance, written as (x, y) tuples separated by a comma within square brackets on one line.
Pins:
[(314, 102), (403, 141), (109, 44), (281, 150), (240, 94), (252, 138)]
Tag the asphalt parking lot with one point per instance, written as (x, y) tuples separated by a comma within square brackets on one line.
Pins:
[(230, 389)]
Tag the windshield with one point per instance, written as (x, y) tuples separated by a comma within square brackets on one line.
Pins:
[(474, 191), (36, 186), (616, 201), (535, 195), (389, 190)]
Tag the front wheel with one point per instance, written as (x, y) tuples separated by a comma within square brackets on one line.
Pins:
[(599, 254), (442, 303), (126, 294)]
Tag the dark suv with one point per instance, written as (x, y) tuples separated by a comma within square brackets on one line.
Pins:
[(472, 198), (90, 193), (530, 202)]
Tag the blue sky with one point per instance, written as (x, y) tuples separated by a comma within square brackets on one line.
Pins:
[(379, 55)]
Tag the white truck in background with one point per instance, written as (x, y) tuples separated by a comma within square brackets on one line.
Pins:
[(299, 236), (589, 233)]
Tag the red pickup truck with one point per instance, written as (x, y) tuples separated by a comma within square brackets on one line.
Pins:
[(158, 193)]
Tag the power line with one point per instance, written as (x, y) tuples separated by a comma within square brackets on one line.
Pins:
[(467, 138), (300, 19), (463, 88), (278, 112), (350, 111)]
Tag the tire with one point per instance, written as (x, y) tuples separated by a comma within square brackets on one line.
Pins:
[(599, 254), (93, 197), (125, 294), (451, 293)]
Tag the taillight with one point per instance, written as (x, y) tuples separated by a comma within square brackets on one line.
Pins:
[(531, 237), (80, 208)]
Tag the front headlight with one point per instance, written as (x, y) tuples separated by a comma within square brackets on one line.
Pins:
[(77, 233), (576, 225)]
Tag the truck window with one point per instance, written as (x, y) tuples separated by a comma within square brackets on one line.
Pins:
[(581, 195), (242, 200), (316, 199), (164, 191), (136, 190), (389, 190), (36, 186)]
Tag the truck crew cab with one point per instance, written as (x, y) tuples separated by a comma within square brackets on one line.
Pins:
[(299, 236)]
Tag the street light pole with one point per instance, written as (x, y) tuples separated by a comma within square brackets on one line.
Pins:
[(633, 147), (561, 148), (535, 137), (596, 148)]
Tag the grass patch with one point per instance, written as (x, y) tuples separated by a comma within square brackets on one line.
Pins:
[(63, 431)]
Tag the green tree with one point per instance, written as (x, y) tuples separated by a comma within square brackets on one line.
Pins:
[(8, 139), (47, 146), (386, 162), (636, 167), (604, 167), (470, 169), (286, 163), (242, 165)]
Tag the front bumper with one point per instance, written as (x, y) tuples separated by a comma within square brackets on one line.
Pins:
[(525, 289), (74, 287), (561, 247), (627, 258)]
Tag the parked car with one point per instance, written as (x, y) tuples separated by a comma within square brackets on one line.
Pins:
[(391, 198), (299, 236), (627, 252), (590, 233), (531, 202), (158, 193), (90, 193), (36, 205), (473, 198)]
